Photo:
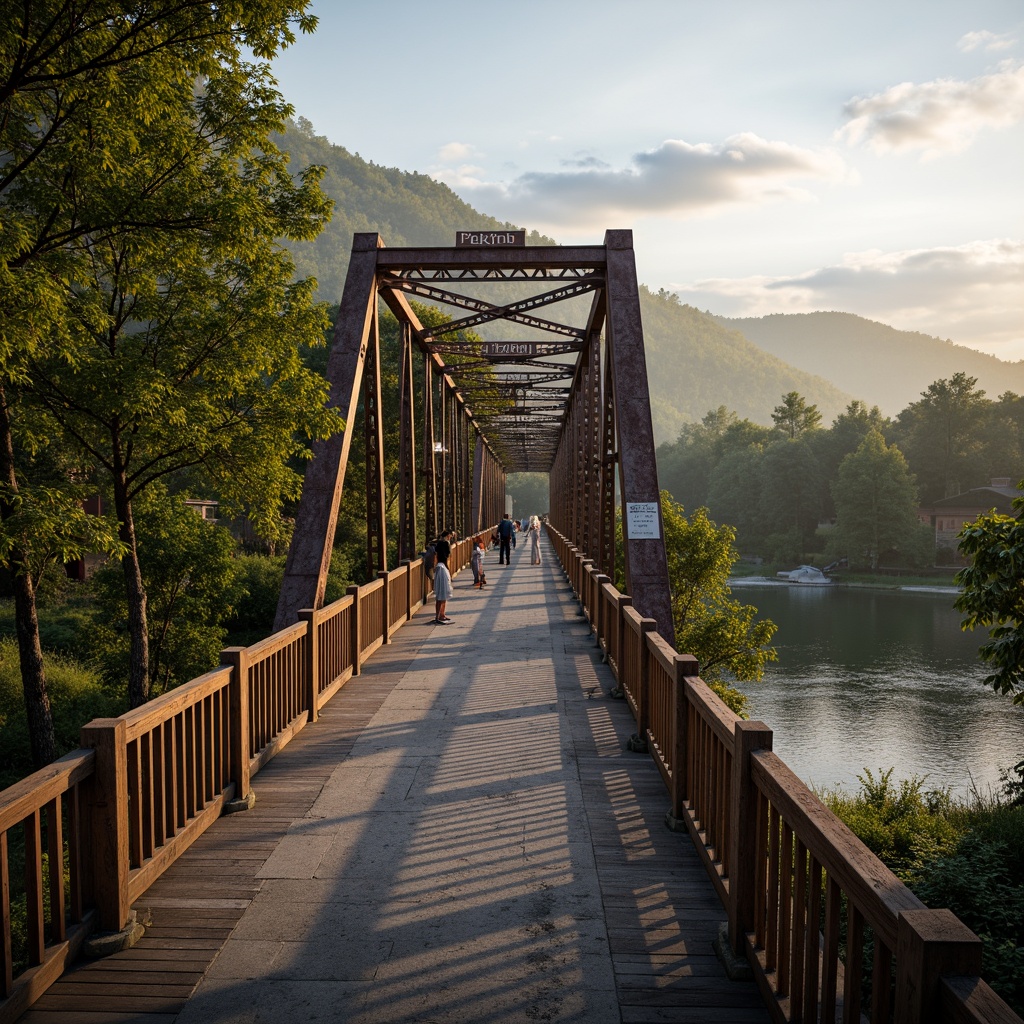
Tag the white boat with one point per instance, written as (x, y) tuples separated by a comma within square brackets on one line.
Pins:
[(807, 574)]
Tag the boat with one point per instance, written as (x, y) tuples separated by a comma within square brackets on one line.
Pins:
[(806, 574)]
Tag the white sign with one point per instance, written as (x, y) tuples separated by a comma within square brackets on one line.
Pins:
[(642, 520)]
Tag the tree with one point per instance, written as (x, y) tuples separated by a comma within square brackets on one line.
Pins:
[(992, 594), (875, 499), (795, 416), (791, 495), (109, 148), (725, 637), (190, 578), (941, 436)]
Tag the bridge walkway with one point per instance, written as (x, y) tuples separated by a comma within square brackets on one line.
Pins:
[(462, 836)]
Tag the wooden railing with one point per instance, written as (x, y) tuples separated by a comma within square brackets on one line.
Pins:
[(94, 830), (830, 933)]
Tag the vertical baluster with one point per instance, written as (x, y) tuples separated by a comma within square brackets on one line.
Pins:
[(134, 805), (6, 953), (74, 819), (34, 888), (772, 944), (785, 909), (146, 754), (156, 761), (813, 942), (799, 932), (761, 871), (199, 728), (854, 964), (881, 982), (180, 771), (830, 955), (55, 851), (170, 745), (190, 762)]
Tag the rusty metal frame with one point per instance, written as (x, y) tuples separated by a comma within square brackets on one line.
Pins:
[(570, 400)]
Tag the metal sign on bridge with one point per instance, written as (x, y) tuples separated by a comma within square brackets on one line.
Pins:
[(481, 411)]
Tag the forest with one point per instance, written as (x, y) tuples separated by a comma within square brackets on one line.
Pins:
[(851, 489)]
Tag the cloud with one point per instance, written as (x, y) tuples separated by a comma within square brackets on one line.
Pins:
[(985, 40), (970, 293), (675, 178), (937, 117), (453, 152)]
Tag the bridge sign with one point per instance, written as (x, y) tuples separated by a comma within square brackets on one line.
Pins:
[(488, 239)]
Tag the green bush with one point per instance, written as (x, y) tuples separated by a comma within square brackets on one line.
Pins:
[(76, 697)]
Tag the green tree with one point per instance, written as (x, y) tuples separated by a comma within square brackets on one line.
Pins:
[(795, 416), (791, 496), (727, 639), (992, 594), (876, 500), (77, 81), (941, 437), (191, 582)]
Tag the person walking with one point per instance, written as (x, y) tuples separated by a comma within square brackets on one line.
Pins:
[(506, 528), (534, 540)]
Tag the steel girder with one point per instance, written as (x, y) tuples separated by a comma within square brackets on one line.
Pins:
[(570, 400)]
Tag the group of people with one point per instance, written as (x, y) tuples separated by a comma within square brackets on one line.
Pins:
[(506, 538), (439, 551)]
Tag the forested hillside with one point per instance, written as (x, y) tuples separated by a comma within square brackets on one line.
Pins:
[(405, 207), (694, 363), (875, 362)]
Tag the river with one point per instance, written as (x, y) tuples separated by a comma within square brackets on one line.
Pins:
[(876, 678)]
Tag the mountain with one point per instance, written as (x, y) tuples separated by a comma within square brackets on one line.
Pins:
[(694, 363), (877, 363)]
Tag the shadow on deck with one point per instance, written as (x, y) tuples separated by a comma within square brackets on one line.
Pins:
[(462, 836)]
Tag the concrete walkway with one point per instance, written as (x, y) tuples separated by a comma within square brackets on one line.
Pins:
[(483, 849)]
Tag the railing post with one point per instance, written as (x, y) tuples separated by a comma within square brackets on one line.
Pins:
[(638, 741), (107, 810), (743, 851), (598, 583), (407, 562), (382, 574), (684, 667), (584, 595), (930, 944), (357, 651), (624, 602), (311, 668), (238, 727)]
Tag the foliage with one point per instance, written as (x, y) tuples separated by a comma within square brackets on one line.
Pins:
[(192, 586), (941, 436), (78, 696), (992, 594), (529, 494), (902, 824), (724, 636), (961, 856), (875, 500), (794, 415)]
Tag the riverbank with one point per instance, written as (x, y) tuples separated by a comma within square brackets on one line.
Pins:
[(938, 582)]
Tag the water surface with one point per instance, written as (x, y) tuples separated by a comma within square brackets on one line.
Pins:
[(875, 679)]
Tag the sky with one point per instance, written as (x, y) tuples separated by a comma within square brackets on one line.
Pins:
[(777, 157)]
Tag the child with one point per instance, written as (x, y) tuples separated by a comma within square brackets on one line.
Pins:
[(476, 561)]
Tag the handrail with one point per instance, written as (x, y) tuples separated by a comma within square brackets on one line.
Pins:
[(144, 786), (802, 893)]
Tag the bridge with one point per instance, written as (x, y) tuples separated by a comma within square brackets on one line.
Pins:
[(368, 817)]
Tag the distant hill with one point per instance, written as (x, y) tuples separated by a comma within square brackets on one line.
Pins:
[(406, 208), (694, 363), (877, 363)]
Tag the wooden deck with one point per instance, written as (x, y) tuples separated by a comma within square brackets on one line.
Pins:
[(461, 837)]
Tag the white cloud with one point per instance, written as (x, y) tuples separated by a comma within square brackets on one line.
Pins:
[(453, 152), (969, 293), (985, 40), (675, 178), (936, 117)]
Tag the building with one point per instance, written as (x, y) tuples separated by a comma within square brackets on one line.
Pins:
[(947, 516)]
